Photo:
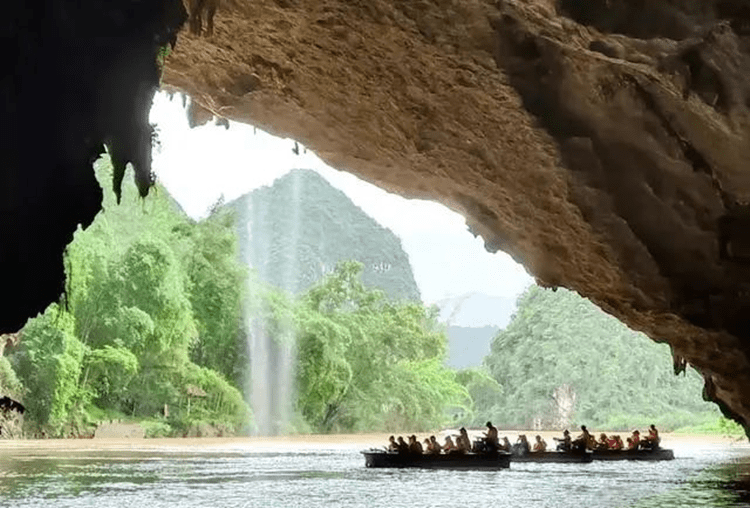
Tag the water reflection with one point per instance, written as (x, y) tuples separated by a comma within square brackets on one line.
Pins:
[(709, 477)]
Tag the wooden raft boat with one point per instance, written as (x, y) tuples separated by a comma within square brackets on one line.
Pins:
[(647, 455), (381, 458)]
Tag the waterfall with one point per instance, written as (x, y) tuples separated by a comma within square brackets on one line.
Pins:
[(272, 355)]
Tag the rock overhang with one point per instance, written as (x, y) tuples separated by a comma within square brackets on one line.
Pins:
[(603, 144)]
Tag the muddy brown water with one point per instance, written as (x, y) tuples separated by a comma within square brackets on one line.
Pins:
[(328, 471)]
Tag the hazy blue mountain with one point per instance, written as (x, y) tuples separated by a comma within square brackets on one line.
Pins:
[(468, 346), (296, 230)]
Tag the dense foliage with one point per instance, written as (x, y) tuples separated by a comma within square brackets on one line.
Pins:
[(366, 363), (562, 361), (155, 327), (141, 332)]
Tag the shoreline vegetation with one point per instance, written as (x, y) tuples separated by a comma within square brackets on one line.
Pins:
[(163, 325)]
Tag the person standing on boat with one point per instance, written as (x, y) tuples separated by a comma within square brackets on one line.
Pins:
[(564, 444), (540, 445), (583, 441), (490, 438)]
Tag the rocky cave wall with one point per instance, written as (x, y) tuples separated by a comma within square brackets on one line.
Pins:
[(76, 75), (602, 143)]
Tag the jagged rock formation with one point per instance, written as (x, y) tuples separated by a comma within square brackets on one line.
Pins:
[(296, 231), (76, 75), (603, 143)]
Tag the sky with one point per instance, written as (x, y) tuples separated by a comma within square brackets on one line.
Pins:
[(198, 166)]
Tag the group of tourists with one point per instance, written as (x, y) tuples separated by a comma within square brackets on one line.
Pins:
[(431, 446), (490, 443), (586, 441)]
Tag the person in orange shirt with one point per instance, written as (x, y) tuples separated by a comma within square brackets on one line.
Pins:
[(435, 447), (653, 439), (619, 445), (540, 445), (449, 446), (636, 439)]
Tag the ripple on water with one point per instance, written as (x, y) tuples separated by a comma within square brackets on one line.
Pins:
[(705, 477)]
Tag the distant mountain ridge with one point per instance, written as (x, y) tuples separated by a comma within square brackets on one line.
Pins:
[(295, 231), (467, 346)]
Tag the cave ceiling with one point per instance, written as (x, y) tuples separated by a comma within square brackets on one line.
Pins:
[(604, 144)]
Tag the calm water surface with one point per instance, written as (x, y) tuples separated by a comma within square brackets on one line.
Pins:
[(237, 476)]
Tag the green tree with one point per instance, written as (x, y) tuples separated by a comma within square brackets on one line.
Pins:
[(217, 286), (49, 366), (557, 343), (368, 363)]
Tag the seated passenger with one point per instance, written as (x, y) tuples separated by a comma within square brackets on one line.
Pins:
[(652, 440), (603, 443), (463, 443), (505, 446), (403, 447), (449, 447), (612, 442), (540, 445), (619, 445), (522, 446), (435, 447), (392, 444), (415, 446), (636, 439), (565, 443), (427, 446), (630, 445)]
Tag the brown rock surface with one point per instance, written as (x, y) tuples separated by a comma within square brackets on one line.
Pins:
[(614, 165), (603, 143)]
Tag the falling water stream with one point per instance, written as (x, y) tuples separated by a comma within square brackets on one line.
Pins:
[(272, 355)]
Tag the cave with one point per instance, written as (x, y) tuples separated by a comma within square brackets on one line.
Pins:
[(605, 145)]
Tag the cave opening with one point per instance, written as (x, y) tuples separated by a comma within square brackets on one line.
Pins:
[(233, 201)]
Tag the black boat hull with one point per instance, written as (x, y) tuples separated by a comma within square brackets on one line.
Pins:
[(645, 455), (554, 457), (376, 458)]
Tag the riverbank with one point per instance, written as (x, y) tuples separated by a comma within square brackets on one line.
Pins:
[(354, 442)]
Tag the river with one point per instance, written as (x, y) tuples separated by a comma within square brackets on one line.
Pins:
[(331, 473)]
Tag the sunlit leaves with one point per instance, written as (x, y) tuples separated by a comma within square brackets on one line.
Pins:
[(619, 377), (368, 363)]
